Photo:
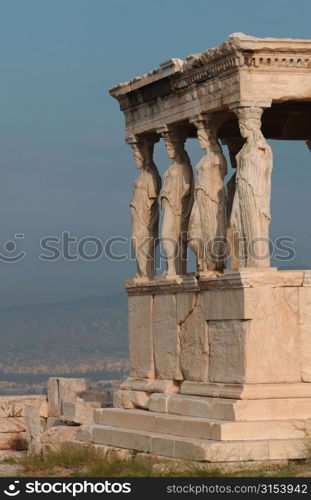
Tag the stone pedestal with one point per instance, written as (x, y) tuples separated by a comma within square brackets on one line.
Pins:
[(220, 368)]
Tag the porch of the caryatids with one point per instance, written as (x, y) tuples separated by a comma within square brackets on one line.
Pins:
[(207, 228), (145, 205), (176, 202), (250, 214)]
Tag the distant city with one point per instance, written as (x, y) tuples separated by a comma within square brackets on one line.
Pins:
[(86, 337)]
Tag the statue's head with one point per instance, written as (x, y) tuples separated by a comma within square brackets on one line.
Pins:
[(174, 144), (207, 129), (143, 151), (248, 127), (138, 155), (249, 121)]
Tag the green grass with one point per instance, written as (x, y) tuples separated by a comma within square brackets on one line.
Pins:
[(67, 457), (287, 470), (87, 461), (115, 468)]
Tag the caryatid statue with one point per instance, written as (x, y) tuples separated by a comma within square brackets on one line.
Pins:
[(237, 247), (234, 146), (250, 216), (145, 206), (176, 203), (207, 227)]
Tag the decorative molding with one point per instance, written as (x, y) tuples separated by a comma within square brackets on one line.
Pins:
[(199, 68), (245, 391), (231, 278), (162, 285), (250, 104), (238, 50), (193, 75)]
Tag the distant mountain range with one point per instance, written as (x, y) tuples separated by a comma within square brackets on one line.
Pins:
[(88, 333)]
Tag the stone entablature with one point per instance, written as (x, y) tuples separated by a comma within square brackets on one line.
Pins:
[(233, 74)]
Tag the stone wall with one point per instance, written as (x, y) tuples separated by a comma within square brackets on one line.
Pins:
[(70, 403), (13, 409), (35, 422)]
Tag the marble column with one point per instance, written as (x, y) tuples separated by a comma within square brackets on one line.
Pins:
[(250, 215), (176, 202), (207, 228), (145, 206)]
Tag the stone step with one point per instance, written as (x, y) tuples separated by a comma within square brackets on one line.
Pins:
[(82, 409), (201, 428), (231, 409), (78, 413), (191, 448)]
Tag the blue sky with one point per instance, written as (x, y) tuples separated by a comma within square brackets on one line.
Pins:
[(64, 163)]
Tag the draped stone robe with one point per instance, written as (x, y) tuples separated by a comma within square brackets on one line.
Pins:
[(251, 205), (176, 202), (208, 218), (145, 219)]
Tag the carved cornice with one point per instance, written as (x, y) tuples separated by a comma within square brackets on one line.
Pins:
[(252, 51), (165, 69), (221, 68), (239, 51)]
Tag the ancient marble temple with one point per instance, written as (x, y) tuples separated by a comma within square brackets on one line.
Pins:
[(220, 358)]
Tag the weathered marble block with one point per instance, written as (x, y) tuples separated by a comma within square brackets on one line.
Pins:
[(240, 327), (140, 336), (131, 399), (194, 343), (264, 348), (166, 337), (64, 389), (14, 406)]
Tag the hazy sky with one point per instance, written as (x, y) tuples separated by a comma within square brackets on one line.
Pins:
[(64, 164)]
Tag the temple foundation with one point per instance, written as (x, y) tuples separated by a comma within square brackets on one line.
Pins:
[(219, 368)]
